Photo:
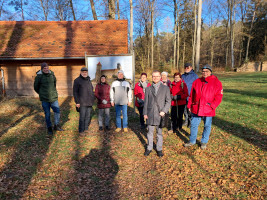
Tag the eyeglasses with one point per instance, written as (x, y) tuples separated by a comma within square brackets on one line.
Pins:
[(206, 71), (156, 76)]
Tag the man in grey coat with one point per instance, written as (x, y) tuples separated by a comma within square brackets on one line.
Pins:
[(153, 112)]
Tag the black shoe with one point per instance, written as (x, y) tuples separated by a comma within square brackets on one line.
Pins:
[(185, 124), (159, 153), (107, 128), (101, 128), (50, 131), (147, 152), (58, 128)]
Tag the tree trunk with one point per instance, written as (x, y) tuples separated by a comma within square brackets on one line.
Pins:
[(131, 27), (44, 9), (251, 26), (195, 35), (111, 8), (198, 35), (183, 54), (152, 35), (22, 12), (230, 4), (178, 41), (72, 9), (93, 9), (175, 34), (118, 8)]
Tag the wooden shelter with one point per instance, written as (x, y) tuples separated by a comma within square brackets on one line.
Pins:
[(62, 44)]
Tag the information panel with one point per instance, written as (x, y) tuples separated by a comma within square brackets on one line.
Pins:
[(123, 62)]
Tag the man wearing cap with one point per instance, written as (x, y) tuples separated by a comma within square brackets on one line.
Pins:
[(189, 77), (206, 95), (45, 86), (84, 98), (121, 97)]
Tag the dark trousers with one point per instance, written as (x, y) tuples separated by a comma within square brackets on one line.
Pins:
[(177, 118), (85, 117), (187, 116), (142, 121)]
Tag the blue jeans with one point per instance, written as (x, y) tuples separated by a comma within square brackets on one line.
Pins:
[(55, 107), (85, 117), (118, 109), (195, 121)]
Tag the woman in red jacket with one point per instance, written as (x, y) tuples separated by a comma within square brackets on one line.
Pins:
[(139, 93), (206, 95), (179, 93), (103, 102)]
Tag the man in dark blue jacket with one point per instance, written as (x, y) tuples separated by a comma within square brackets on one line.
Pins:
[(84, 98), (189, 77)]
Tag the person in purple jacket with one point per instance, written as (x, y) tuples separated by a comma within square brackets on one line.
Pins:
[(189, 77), (102, 93)]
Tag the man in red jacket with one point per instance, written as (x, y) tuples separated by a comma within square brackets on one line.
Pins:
[(206, 95)]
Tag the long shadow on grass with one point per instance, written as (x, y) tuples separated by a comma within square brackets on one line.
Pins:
[(30, 150), (96, 173), (247, 93), (249, 134), (32, 110), (29, 153)]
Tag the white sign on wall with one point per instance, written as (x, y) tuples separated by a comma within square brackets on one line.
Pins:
[(109, 63)]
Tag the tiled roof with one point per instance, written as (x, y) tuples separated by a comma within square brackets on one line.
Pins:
[(38, 39)]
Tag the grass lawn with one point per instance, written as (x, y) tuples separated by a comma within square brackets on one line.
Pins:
[(109, 165)]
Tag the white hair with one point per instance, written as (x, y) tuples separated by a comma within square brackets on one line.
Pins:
[(164, 73)]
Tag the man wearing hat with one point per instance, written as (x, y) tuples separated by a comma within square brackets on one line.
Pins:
[(206, 95), (84, 98), (121, 97), (189, 77), (45, 86)]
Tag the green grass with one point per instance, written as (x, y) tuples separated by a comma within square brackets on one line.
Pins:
[(112, 166)]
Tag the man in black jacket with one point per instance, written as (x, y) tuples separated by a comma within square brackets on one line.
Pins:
[(84, 99)]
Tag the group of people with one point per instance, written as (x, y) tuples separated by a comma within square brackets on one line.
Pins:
[(195, 98)]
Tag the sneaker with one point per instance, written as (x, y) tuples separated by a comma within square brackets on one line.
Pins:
[(50, 131), (147, 152), (101, 128), (58, 128), (107, 128), (188, 144), (125, 130), (203, 146), (159, 153), (117, 130)]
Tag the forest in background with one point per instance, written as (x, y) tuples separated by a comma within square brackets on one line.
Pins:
[(166, 34)]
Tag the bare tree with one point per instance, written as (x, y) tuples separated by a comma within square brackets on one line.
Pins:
[(118, 8), (93, 9), (195, 35), (72, 9), (175, 33), (151, 4), (231, 4), (131, 26), (251, 27), (198, 35), (45, 7), (111, 8), (1, 6)]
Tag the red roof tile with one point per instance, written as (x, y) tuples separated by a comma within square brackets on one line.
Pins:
[(37, 39)]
